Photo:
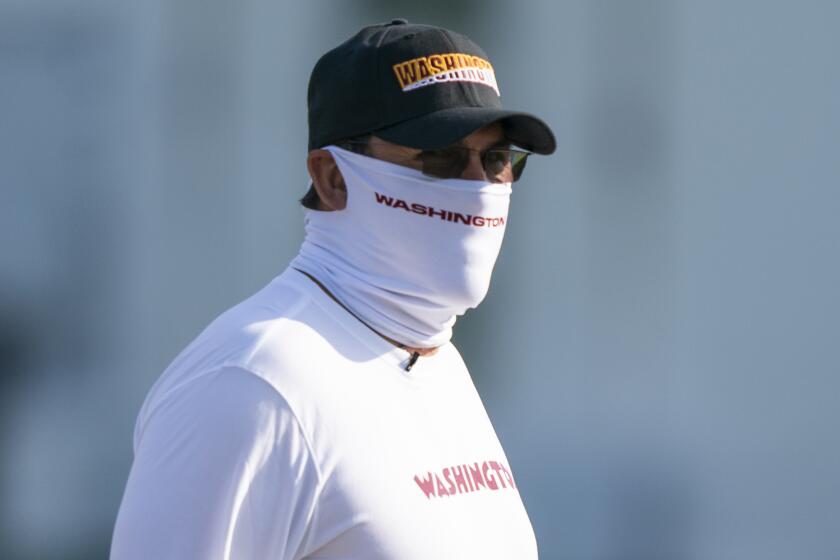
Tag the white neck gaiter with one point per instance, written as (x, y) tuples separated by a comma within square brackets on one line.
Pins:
[(409, 252)]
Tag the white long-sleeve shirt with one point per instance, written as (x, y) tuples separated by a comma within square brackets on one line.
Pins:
[(289, 430)]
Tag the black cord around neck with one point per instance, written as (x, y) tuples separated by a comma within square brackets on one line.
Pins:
[(414, 354)]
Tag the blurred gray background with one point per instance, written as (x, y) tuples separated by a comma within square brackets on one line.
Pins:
[(659, 349)]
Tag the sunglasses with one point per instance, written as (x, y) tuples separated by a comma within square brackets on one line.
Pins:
[(501, 165)]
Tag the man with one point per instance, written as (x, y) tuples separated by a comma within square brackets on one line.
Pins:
[(328, 416)]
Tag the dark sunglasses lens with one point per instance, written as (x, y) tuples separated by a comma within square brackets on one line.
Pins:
[(500, 165), (503, 165), (518, 164), (497, 165), (444, 164)]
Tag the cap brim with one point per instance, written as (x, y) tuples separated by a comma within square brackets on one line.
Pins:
[(445, 127)]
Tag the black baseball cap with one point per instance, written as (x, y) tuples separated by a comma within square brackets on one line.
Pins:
[(416, 85)]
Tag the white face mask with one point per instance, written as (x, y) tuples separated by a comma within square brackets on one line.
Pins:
[(409, 252)]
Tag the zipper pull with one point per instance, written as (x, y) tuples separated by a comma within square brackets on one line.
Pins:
[(411, 361)]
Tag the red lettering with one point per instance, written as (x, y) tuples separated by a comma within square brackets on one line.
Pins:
[(508, 475), (460, 481), (476, 476), (382, 199), (441, 489), (488, 476), (437, 63), (447, 215), (426, 485), (495, 466), (448, 478), (423, 70), (460, 218), (465, 479), (406, 74), (432, 213)]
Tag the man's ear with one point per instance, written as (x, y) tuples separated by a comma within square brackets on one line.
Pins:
[(327, 180)]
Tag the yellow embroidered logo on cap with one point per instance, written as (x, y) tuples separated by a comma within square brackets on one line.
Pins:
[(440, 68)]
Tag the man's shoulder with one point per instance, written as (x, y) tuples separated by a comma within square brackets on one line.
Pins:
[(279, 323), (282, 334)]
